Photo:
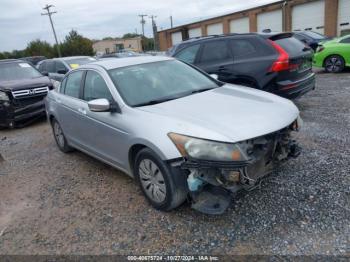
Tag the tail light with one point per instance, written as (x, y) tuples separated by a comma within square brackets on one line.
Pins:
[(282, 62)]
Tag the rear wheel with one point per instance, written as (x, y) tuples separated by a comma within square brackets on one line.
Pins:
[(334, 64), (162, 188), (60, 139)]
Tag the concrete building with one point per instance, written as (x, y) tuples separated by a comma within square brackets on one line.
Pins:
[(114, 45), (329, 17)]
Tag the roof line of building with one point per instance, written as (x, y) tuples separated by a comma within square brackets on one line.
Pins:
[(221, 16)]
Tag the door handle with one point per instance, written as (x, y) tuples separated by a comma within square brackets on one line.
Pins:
[(82, 111)]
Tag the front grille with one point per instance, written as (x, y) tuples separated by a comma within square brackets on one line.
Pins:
[(30, 92)]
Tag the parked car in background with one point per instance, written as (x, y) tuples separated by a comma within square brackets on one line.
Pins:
[(333, 55), (34, 60), (56, 68), (122, 54), (310, 38), (174, 128), (22, 90), (277, 63)]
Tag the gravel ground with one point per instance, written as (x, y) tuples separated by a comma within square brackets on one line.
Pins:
[(53, 203)]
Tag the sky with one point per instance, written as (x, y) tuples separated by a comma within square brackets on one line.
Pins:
[(21, 20)]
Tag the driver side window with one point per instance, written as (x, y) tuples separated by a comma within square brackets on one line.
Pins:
[(95, 87)]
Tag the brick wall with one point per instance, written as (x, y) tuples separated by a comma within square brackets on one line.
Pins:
[(331, 13)]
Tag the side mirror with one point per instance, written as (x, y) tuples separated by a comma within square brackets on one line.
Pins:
[(45, 73), (62, 72), (99, 105), (215, 76)]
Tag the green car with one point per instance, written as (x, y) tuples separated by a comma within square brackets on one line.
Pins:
[(333, 55)]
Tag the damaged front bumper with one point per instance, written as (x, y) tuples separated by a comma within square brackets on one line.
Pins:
[(212, 184), (14, 114)]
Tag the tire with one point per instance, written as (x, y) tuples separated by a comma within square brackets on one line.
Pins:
[(164, 188), (60, 139), (334, 64)]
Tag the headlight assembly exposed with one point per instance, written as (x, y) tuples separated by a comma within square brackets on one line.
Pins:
[(207, 150), (4, 96), (297, 124)]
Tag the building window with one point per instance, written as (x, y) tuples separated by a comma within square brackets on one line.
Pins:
[(107, 50)]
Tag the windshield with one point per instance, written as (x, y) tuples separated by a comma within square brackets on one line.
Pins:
[(76, 62), (148, 83), (17, 71)]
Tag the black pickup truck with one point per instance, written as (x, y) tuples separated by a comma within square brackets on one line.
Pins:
[(22, 91)]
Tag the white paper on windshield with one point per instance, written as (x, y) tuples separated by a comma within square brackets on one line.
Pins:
[(92, 59), (24, 65)]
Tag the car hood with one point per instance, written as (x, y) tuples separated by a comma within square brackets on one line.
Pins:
[(235, 112), (25, 83)]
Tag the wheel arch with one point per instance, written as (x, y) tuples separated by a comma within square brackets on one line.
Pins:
[(137, 147)]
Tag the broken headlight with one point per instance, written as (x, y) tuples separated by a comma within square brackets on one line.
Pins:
[(297, 124), (3, 96), (207, 150)]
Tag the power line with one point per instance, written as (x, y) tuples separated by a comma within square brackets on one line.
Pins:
[(49, 13), (155, 33), (143, 22)]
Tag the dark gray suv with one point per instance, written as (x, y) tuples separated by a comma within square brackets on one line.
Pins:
[(277, 63)]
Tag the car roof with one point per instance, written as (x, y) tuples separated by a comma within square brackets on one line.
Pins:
[(232, 35), (67, 58), (72, 57), (127, 61), (11, 61)]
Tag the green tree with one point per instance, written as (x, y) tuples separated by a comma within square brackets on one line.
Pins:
[(75, 44), (39, 48), (130, 35), (147, 44), (2, 56)]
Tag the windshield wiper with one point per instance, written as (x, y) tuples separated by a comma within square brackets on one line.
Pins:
[(165, 99), (202, 90), (156, 101)]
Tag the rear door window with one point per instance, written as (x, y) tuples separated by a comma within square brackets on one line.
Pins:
[(189, 54), (243, 48), (215, 51), (73, 84)]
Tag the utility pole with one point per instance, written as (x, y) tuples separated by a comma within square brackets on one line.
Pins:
[(155, 33), (171, 21), (143, 22), (49, 13)]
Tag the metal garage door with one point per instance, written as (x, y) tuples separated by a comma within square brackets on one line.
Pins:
[(176, 38), (344, 16), (240, 25), (270, 20), (309, 16), (215, 29), (195, 32)]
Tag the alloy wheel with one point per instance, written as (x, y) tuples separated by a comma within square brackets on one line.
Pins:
[(333, 64)]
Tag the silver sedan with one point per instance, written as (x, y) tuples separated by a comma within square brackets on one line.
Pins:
[(179, 132)]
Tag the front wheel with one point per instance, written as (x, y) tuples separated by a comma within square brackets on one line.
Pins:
[(334, 64), (60, 139), (164, 189)]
